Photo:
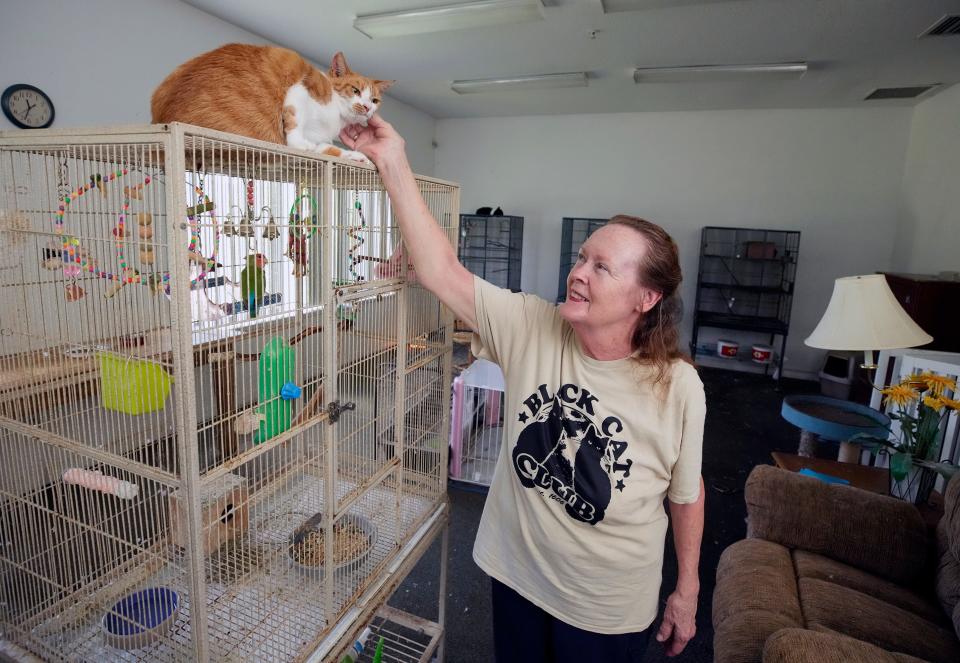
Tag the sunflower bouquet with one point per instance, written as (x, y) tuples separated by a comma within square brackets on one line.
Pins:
[(921, 405)]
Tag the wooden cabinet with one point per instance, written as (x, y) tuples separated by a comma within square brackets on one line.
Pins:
[(933, 303)]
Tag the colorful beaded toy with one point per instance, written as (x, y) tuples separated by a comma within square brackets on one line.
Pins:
[(295, 219), (72, 255), (297, 240), (76, 261), (96, 182), (354, 234), (203, 203), (120, 231)]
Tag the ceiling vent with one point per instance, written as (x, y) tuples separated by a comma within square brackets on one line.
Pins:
[(945, 27), (911, 92)]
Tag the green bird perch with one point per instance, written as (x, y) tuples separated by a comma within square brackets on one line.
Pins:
[(253, 282)]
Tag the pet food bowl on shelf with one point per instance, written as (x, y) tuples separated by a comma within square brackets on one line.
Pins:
[(727, 349), (303, 545), (761, 354), (141, 618)]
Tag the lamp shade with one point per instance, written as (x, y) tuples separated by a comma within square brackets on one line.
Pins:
[(863, 314)]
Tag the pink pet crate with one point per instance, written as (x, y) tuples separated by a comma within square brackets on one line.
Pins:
[(476, 425)]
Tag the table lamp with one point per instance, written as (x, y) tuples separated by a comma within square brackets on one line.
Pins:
[(863, 315)]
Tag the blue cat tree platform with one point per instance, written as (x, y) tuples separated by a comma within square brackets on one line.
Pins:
[(832, 419)]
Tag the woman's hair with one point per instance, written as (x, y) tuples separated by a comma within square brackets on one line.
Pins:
[(657, 334)]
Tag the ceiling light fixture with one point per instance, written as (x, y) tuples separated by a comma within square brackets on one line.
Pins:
[(448, 17), (718, 72), (615, 6), (541, 82)]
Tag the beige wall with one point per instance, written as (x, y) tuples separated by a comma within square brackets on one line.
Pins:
[(928, 237), (99, 60), (835, 175)]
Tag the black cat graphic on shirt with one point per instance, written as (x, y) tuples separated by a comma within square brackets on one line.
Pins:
[(566, 419)]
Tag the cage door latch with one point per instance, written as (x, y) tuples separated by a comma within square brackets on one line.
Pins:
[(335, 409)]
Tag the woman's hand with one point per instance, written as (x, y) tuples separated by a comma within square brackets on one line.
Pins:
[(378, 140), (679, 622), (394, 266)]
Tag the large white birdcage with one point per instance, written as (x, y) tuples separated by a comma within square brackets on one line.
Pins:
[(196, 330)]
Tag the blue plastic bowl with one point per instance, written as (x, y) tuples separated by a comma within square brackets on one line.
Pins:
[(141, 618)]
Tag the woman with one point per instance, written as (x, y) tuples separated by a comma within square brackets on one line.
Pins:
[(604, 420)]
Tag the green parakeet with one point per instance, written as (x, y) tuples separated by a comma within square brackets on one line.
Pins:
[(253, 282)]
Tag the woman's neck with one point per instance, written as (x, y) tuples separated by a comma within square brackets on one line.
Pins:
[(602, 345)]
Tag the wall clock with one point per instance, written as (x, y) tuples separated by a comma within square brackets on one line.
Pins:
[(27, 107)]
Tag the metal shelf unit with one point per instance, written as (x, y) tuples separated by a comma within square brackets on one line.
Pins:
[(491, 248), (576, 230), (745, 282)]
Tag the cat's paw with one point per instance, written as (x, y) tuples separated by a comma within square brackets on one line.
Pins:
[(353, 155)]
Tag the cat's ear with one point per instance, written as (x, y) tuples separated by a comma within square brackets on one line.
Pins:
[(338, 66), (383, 86)]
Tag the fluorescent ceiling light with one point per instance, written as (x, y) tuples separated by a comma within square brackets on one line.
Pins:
[(448, 17), (613, 6), (541, 82), (718, 72)]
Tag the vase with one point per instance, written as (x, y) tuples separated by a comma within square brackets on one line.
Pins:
[(910, 482), (900, 465)]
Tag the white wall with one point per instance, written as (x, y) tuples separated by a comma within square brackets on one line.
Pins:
[(99, 60), (835, 175), (928, 238)]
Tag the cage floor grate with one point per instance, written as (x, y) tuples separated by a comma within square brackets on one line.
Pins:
[(267, 609)]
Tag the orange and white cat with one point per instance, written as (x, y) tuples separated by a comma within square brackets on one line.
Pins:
[(269, 93)]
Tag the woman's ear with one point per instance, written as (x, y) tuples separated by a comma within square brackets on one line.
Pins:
[(648, 299)]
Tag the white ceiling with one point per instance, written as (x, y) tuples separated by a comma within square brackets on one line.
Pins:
[(852, 47)]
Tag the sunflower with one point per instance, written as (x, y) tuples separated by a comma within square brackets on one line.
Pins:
[(916, 382), (934, 402), (938, 384), (901, 394), (950, 403)]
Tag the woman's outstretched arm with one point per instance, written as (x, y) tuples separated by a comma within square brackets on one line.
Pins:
[(428, 248)]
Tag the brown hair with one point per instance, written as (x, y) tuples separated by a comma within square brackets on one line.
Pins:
[(656, 337)]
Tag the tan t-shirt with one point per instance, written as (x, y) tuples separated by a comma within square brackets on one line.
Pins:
[(574, 520)]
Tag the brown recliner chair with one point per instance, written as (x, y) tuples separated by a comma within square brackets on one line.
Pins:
[(832, 573)]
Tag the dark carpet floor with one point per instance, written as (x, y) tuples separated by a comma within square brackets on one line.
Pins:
[(743, 426)]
